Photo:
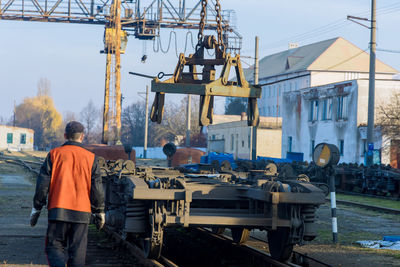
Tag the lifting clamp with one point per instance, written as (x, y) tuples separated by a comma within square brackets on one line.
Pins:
[(207, 87)]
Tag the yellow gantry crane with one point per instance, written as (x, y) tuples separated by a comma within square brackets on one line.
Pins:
[(112, 91), (142, 18)]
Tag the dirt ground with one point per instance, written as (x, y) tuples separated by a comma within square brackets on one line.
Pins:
[(353, 225), (22, 245)]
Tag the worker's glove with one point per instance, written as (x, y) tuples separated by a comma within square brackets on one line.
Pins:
[(99, 220), (34, 216)]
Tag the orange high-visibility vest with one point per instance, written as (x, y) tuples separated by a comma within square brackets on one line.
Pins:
[(70, 178)]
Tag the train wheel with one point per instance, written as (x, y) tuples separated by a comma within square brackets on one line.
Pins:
[(218, 230), (152, 248), (279, 245), (240, 235)]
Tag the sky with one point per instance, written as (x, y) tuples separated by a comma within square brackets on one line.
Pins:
[(68, 54)]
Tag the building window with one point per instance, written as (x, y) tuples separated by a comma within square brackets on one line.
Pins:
[(279, 111), (269, 111), (22, 139), (232, 141), (269, 91), (290, 86), (279, 90), (313, 114), (312, 146), (213, 137), (248, 139), (242, 143), (290, 144), (9, 138), (364, 147), (342, 108), (341, 147), (327, 109)]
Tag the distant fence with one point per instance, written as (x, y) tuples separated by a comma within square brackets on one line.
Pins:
[(156, 152)]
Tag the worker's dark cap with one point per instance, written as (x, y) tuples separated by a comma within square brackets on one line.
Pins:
[(74, 127)]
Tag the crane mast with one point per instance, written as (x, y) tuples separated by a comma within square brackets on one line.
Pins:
[(112, 91)]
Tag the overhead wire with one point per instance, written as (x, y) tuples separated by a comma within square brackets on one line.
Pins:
[(332, 26)]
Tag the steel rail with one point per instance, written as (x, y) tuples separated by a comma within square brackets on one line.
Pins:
[(297, 254), (258, 254), (138, 253), (369, 207), (366, 195)]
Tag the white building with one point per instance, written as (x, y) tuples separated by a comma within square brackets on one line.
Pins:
[(233, 135), (334, 113), (16, 138), (325, 62)]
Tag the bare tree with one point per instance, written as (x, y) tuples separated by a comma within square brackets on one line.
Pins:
[(43, 87), (172, 127), (89, 116), (174, 122), (235, 105), (388, 117), (133, 122)]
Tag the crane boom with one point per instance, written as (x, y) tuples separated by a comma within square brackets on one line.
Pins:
[(119, 16)]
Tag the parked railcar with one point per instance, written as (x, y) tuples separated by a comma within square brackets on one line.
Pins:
[(142, 202)]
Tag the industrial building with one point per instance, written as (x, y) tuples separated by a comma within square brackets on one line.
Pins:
[(316, 64), (321, 92), (335, 113), (16, 138), (233, 135)]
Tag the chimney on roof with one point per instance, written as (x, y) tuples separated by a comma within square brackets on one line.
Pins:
[(293, 45), (243, 116)]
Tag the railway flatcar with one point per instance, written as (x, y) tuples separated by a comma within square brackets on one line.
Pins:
[(142, 202)]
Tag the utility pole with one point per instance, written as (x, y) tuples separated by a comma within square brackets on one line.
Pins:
[(371, 91), (14, 115), (188, 121), (254, 128), (146, 125)]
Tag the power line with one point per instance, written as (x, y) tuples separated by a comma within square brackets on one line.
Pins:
[(388, 50), (332, 26)]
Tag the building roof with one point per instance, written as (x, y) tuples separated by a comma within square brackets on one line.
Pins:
[(335, 54), (17, 128)]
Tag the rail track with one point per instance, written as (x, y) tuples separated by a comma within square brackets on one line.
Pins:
[(107, 254), (367, 195), (137, 253), (222, 251), (32, 166), (297, 259), (369, 207)]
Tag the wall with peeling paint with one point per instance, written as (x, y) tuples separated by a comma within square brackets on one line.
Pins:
[(16, 142), (296, 122)]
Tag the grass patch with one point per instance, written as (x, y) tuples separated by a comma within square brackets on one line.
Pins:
[(345, 237), (386, 203)]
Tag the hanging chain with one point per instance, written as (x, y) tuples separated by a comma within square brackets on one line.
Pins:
[(219, 24), (200, 35)]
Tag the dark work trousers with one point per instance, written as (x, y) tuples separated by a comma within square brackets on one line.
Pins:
[(66, 242)]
